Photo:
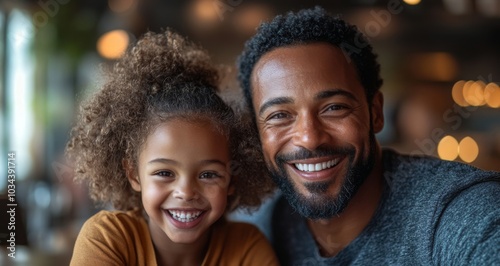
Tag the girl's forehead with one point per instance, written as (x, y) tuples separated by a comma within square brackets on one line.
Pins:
[(186, 143)]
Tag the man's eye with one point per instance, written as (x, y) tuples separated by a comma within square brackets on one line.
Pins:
[(209, 175), (278, 116), (335, 107)]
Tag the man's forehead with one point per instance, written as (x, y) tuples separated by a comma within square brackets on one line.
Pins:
[(298, 60)]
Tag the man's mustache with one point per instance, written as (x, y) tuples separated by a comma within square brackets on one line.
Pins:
[(321, 151)]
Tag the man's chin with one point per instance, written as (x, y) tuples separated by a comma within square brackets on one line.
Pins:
[(317, 206), (313, 200)]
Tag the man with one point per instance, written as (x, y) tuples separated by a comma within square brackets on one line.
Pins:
[(312, 83)]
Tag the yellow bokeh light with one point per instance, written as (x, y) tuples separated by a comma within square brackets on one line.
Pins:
[(113, 44), (474, 93), (457, 93), (448, 148), (412, 2), (492, 95), (468, 149)]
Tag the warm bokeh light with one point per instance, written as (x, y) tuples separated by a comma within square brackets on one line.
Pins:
[(492, 95), (412, 2), (120, 6), (474, 93), (250, 17), (205, 11), (457, 93), (436, 66), (113, 44), (448, 148), (468, 149)]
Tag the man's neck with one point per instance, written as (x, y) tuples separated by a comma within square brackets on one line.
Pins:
[(333, 235)]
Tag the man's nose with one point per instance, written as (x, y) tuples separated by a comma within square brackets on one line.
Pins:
[(309, 132)]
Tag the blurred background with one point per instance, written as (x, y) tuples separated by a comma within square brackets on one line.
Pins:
[(440, 62)]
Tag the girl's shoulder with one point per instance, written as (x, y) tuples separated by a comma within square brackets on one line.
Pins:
[(114, 238), (104, 216), (239, 243), (117, 225)]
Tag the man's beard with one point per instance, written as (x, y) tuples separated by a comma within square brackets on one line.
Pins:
[(321, 205)]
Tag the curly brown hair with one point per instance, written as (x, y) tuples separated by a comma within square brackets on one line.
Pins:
[(164, 76)]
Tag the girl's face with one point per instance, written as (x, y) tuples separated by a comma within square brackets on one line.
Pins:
[(183, 179)]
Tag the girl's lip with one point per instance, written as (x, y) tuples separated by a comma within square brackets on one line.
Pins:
[(189, 224)]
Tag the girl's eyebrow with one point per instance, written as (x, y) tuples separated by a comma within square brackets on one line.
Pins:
[(213, 161), (203, 162), (163, 160)]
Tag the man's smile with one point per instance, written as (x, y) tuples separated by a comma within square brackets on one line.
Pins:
[(317, 169)]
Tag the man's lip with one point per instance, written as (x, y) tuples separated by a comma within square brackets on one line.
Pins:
[(317, 160), (321, 175)]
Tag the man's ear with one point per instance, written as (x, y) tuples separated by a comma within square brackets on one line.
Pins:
[(132, 175), (377, 109)]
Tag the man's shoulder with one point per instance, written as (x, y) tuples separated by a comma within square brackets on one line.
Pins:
[(426, 171), (467, 228)]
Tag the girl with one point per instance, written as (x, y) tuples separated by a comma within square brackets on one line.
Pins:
[(160, 145)]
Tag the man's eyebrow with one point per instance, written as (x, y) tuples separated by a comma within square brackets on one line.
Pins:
[(334, 92), (274, 101)]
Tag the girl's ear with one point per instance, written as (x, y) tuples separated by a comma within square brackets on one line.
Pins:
[(231, 189), (133, 177)]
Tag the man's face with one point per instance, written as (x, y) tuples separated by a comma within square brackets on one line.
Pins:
[(316, 126)]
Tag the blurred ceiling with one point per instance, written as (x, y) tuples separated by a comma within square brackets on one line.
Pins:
[(459, 26)]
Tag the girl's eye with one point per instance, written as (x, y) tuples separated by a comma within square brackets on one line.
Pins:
[(209, 175), (164, 173)]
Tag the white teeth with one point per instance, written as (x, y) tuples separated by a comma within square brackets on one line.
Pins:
[(184, 216), (316, 167)]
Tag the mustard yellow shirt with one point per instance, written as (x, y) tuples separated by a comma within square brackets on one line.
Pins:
[(123, 238)]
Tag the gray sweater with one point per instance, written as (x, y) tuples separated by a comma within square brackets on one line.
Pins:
[(432, 212)]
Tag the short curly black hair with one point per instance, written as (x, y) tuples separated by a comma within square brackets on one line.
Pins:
[(310, 26), (163, 77)]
